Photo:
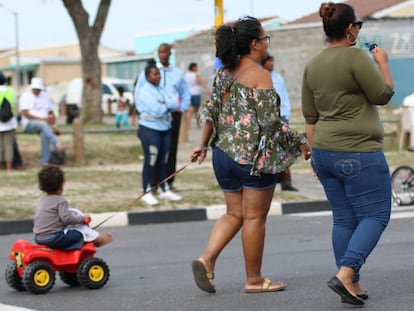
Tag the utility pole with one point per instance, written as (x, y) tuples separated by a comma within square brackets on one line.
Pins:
[(218, 13), (16, 31)]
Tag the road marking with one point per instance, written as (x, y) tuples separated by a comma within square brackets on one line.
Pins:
[(399, 213), (13, 308), (311, 214)]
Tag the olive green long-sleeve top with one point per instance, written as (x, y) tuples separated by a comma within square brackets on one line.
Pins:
[(341, 88)]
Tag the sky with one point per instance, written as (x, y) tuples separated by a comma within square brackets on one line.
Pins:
[(46, 22)]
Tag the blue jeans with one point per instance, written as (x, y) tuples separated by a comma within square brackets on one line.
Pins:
[(155, 145), (358, 188), (47, 138)]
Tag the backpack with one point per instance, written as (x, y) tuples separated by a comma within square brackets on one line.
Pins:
[(6, 112), (57, 158)]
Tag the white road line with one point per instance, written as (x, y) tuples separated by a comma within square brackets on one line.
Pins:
[(13, 308), (400, 215), (311, 214), (397, 213)]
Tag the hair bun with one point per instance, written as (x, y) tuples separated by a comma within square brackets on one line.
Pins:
[(327, 9)]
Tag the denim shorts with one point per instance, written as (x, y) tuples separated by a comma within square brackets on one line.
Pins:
[(195, 101), (233, 176), (67, 240)]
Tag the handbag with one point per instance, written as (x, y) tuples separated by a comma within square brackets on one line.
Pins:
[(57, 158)]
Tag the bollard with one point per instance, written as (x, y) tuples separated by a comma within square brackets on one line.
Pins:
[(184, 126), (78, 141)]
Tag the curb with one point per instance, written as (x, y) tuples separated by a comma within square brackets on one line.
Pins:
[(122, 219)]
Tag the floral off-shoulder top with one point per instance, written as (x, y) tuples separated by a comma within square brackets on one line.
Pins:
[(247, 126)]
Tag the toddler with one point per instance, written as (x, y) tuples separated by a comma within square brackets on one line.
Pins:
[(55, 224)]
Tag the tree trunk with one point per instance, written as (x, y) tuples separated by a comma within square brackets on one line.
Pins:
[(89, 38)]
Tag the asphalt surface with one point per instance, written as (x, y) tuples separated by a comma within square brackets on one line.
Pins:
[(151, 270)]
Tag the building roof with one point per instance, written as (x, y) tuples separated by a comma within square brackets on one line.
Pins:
[(147, 43), (366, 9)]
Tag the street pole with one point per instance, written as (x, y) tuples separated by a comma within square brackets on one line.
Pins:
[(16, 31), (16, 24), (218, 13), (218, 21)]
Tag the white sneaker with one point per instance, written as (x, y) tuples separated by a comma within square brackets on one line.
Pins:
[(150, 199), (169, 195)]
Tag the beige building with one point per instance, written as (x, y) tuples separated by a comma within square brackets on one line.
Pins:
[(56, 64)]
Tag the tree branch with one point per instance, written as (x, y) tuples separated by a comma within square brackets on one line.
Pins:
[(101, 16), (79, 16)]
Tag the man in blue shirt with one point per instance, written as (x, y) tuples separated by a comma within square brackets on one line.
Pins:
[(172, 78), (280, 87)]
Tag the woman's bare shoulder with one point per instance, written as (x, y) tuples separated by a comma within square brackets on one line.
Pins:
[(264, 80), (256, 77)]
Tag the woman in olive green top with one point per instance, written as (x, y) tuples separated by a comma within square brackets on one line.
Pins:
[(341, 89)]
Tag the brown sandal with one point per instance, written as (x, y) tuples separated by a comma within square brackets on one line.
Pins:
[(202, 277), (266, 287)]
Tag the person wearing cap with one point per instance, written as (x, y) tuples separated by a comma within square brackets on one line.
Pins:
[(7, 128), (280, 87), (36, 108)]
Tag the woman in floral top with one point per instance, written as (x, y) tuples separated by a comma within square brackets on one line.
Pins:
[(251, 145)]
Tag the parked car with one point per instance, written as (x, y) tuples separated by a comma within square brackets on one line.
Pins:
[(73, 98), (127, 85)]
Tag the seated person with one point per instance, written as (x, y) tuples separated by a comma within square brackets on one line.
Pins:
[(36, 108), (55, 224)]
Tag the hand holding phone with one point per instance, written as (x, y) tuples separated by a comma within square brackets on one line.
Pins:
[(370, 46)]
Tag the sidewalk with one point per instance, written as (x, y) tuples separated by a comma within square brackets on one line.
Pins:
[(309, 188)]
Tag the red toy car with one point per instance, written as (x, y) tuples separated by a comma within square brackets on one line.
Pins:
[(33, 267)]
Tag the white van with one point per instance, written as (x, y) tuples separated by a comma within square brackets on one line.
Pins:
[(73, 98), (127, 85)]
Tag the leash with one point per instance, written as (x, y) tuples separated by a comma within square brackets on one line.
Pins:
[(132, 202)]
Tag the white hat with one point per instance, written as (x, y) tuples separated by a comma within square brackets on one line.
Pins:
[(37, 83)]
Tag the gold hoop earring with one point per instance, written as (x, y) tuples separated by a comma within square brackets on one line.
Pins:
[(348, 38)]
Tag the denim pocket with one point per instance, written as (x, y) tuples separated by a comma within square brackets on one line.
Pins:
[(348, 167)]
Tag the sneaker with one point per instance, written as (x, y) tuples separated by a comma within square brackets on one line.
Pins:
[(150, 199), (169, 195)]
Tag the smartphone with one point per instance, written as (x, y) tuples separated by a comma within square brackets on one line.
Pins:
[(370, 46)]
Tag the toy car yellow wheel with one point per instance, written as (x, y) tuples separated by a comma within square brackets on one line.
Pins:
[(38, 277), (12, 277), (93, 273)]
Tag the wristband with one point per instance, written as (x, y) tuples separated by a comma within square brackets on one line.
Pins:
[(303, 140), (203, 148)]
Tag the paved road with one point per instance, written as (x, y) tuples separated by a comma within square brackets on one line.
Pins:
[(150, 270)]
